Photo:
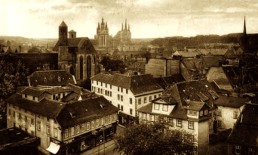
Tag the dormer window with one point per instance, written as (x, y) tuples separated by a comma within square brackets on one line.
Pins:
[(206, 112), (156, 106), (25, 95), (165, 108)]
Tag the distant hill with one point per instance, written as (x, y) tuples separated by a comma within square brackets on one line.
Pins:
[(197, 41)]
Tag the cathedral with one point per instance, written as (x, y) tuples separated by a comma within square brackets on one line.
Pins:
[(103, 39), (75, 55)]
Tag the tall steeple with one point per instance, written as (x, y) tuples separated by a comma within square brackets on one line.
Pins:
[(128, 27), (125, 24), (244, 31)]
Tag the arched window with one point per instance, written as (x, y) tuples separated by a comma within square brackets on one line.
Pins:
[(81, 67), (88, 67)]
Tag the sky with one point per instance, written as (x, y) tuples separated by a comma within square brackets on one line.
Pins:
[(147, 18)]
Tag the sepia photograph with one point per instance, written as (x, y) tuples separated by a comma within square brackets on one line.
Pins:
[(129, 77)]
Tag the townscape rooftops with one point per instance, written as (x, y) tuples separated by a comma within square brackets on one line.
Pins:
[(66, 113), (192, 91), (229, 101), (136, 83), (195, 105), (169, 80), (85, 110), (45, 107), (51, 78), (83, 44), (245, 130)]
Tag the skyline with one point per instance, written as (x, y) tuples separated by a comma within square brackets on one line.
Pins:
[(147, 18)]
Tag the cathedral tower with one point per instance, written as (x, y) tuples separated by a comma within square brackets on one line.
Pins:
[(63, 30), (102, 36)]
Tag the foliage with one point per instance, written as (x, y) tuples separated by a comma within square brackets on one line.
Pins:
[(154, 139), (112, 65)]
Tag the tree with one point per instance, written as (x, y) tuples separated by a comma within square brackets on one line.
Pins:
[(113, 65), (154, 139)]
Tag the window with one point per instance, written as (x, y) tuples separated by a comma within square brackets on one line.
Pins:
[(155, 96), (235, 114), (72, 131), (156, 106), (151, 118), (201, 113), (122, 98), (110, 86), (131, 101), (106, 85), (101, 83), (139, 101), (88, 126), (165, 107), (126, 91), (205, 112), (150, 98), (131, 111), (25, 95), (110, 93), (122, 108), (237, 149), (92, 125), (145, 100), (250, 151), (66, 133), (144, 116), (97, 82), (19, 116), (179, 123), (170, 121), (121, 89), (118, 89), (219, 112), (33, 97), (48, 129), (32, 121), (98, 90), (118, 106), (39, 125), (190, 125), (118, 97), (55, 132)]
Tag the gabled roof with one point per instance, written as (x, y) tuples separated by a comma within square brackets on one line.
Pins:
[(63, 24), (245, 132), (66, 113), (169, 80), (195, 105), (229, 101), (45, 107), (51, 78), (186, 91), (86, 110), (83, 44), (136, 83)]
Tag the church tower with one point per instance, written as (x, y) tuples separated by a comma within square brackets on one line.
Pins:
[(63, 31), (244, 39), (102, 36)]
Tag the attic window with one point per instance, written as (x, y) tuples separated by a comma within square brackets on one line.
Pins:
[(101, 105), (72, 115)]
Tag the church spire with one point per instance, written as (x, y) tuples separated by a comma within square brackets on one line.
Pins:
[(125, 24), (128, 27), (244, 31)]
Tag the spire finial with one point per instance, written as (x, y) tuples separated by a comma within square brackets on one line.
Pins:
[(244, 31)]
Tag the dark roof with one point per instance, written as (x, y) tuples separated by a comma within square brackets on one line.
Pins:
[(85, 110), (146, 109), (212, 61), (192, 91), (229, 101), (63, 24), (32, 91), (217, 89), (195, 105), (67, 114), (82, 44), (169, 80), (136, 83), (51, 78), (245, 132), (45, 107)]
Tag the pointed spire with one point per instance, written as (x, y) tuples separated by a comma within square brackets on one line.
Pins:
[(102, 21), (128, 27), (244, 31), (98, 25), (125, 24), (106, 26)]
